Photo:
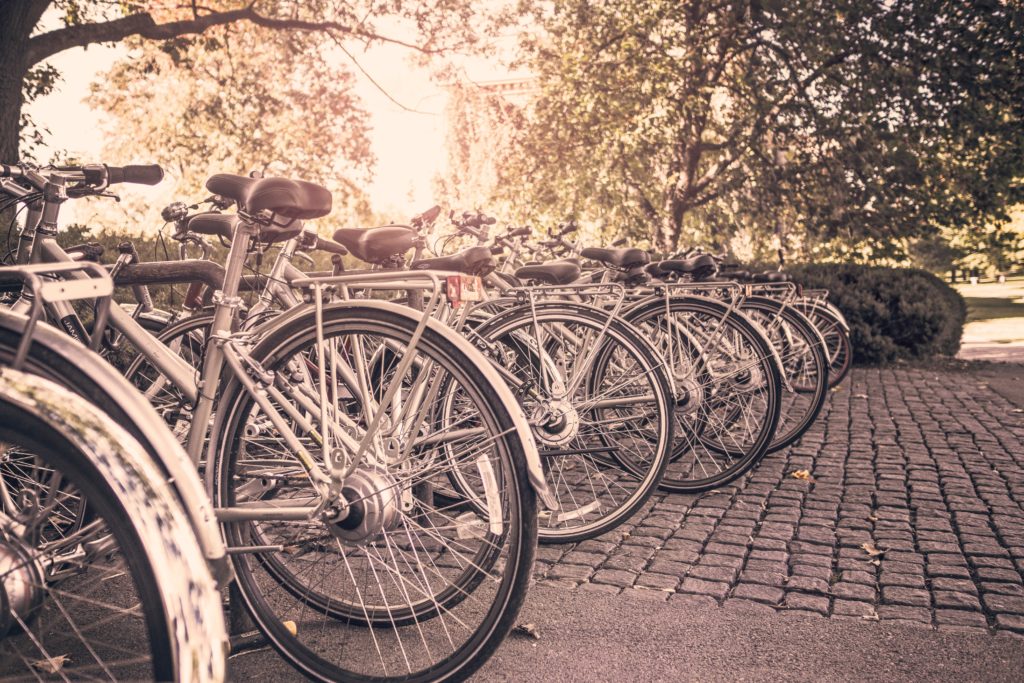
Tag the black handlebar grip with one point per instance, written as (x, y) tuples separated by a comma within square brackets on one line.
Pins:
[(324, 244), (140, 175), (497, 249), (489, 220), (570, 228), (520, 232), (620, 242)]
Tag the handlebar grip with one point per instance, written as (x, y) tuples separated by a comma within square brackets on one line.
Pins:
[(569, 229), (330, 246), (497, 250), (620, 242), (140, 175), (520, 232), (489, 220)]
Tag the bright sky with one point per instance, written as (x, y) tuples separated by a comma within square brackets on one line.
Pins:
[(408, 145)]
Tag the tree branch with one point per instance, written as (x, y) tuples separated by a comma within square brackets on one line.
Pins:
[(143, 25)]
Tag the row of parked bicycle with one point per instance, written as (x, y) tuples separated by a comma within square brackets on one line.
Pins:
[(367, 457)]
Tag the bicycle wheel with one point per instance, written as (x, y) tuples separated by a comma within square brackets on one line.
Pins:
[(187, 338), (119, 589), (837, 340), (599, 401), (804, 362), (727, 386), (409, 585)]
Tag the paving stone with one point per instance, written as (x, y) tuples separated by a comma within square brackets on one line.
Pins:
[(949, 599), (723, 574), (898, 595), (807, 584), (1003, 588), (657, 581), (854, 591), (758, 593), (631, 563), (1011, 622), (802, 601), (954, 617), (906, 580), (671, 568), (599, 588), (921, 615), (714, 589), (614, 577), (572, 572), (994, 602), (852, 608), (588, 559)]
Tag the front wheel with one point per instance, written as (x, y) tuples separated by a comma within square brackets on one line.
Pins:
[(100, 572)]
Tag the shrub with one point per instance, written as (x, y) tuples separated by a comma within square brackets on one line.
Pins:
[(893, 312)]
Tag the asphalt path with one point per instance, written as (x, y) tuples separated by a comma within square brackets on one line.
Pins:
[(584, 635)]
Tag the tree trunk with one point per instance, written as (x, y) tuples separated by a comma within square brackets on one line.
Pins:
[(17, 19), (16, 22)]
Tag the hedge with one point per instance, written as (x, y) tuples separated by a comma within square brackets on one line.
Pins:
[(894, 313)]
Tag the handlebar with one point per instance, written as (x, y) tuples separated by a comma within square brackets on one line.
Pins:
[(150, 174), (95, 175)]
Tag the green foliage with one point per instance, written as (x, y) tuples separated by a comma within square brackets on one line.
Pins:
[(894, 313), (827, 129), (236, 99)]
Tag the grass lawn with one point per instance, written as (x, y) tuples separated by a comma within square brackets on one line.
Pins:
[(995, 317)]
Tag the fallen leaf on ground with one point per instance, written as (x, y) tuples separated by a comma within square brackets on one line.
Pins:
[(870, 617), (871, 550), (51, 665), (801, 474), (528, 630), (860, 395)]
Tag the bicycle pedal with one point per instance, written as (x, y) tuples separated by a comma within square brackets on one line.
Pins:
[(254, 640)]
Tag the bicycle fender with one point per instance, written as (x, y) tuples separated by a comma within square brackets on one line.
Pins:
[(95, 434), (500, 388), (101, 384)]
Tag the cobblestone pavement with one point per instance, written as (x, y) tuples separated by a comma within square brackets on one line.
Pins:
[(922, 465)]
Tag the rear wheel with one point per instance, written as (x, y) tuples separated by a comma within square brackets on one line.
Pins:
[(409, 585), (727, 388), (600, 404), (801, 351)]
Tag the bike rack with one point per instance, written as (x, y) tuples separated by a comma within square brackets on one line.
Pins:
[(42, 290)]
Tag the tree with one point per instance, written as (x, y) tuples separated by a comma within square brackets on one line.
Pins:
[(438, 26), (235, 99), (827, 125)]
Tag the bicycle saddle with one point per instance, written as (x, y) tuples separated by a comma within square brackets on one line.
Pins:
[(560, 272), (224, 224), (288, 198), (655, 270), (619, 258), (472, 261), (701, 265), (771, 276), (374, 245)]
